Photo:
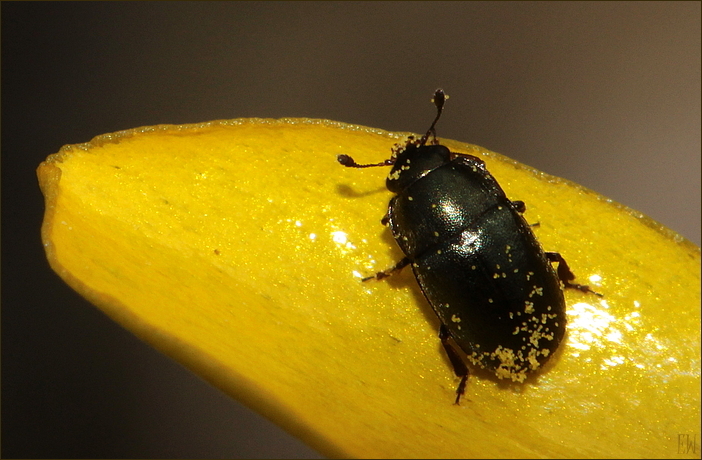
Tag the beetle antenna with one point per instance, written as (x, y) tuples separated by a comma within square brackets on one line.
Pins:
[(351, 163), (438, 100)]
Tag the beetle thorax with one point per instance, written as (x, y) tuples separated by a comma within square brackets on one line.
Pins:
[(413, 163)]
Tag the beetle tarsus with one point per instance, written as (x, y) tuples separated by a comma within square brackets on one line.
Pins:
[(461, 390), (386, 273)]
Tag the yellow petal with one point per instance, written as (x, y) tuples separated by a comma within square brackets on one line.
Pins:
[(237, 248)]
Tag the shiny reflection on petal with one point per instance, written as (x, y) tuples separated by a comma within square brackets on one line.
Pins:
[(613, 361), (594, 330), (342, 241), (587, 325), (339, 237), (614, 336)]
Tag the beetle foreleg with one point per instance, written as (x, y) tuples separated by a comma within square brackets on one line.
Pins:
[(385, 220), (385, 273)]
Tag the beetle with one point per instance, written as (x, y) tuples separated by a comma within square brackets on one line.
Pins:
[(496, 293)]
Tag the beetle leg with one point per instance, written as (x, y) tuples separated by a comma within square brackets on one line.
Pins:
[(459, 367), (385, 273), (519, 206), (566, 275), (386, 219)]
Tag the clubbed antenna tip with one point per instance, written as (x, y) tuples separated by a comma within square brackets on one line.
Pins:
[(439, 99)]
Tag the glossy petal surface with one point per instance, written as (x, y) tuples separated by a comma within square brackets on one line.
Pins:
[(237, 248)]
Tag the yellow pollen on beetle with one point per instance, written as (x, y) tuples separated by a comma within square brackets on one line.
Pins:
[(528, 307)]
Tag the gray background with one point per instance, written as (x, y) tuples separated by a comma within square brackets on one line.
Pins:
[(605, 94)]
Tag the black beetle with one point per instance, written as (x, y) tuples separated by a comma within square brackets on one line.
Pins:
[(475, 258)]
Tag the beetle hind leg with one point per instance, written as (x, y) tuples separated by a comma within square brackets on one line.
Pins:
[(566, 275), (459, 366)]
